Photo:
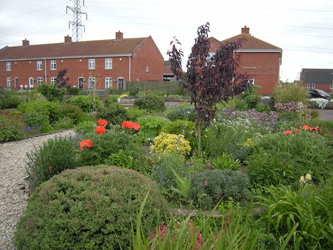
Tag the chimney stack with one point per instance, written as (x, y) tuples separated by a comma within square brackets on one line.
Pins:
[(68, 39), (25, 42), (246, 30), (119, 35)]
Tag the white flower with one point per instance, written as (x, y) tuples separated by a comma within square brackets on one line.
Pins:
[(308, 177)]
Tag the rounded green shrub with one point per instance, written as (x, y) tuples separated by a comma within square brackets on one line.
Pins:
[(150, 103), (89, 208), (171, 144), (11, 125), (86, 103), (73, 111), (85, 127), (110, 99), (9, 102), (152, 125), (134, 113), (210, 186), (115, 114), (51, 109), (73, 91)]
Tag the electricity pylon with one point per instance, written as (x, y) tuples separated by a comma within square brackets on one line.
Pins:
[(77, 21)]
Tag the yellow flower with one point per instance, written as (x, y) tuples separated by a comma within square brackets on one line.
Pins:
[(308, 177), (171, 143), (302, 180)]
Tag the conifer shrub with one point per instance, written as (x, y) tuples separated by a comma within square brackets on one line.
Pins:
[(210, 186), (150, 103), (89, 208)]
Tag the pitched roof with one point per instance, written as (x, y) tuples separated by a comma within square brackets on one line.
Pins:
[(72, 49), (317, 76), (253, 43)]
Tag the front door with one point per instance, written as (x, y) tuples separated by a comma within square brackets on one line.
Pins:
[(81, 80), (121, 84)]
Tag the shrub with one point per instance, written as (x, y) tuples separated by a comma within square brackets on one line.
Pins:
[(287, 92), (181, 112), (86, 103), (73, 91), (134, 113), (50, 159), (134, 91), (51, 92), (251, 101), (114, 114), (283, 158), (226, 161), (9, 102), (72, 111), (37, 122), (51, 109), (210, 186), (11, 125), (85, 208), (63, 123), (85, 127), (171, 143), (152, 125), (150, 103), (110, 99)]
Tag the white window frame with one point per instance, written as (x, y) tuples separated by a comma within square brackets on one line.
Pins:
[(311, 85), (108, 63), (39, 81), (8, 66), (53, 65), (91, 63), (31, 82), (119, 78), (108, 82), (252, 79), (53, 80), (39, 65), (9, 81), (91, 83)]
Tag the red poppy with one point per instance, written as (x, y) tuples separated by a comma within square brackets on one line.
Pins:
[(86, 143), (287, 132), (295, 131), (102, 122), (130, 125), (100, 130), (314, 129), (305, 127)]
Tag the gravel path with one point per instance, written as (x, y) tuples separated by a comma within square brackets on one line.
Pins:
[(14, 187)]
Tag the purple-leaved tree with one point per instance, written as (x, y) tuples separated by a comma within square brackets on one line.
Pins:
[(208, 79), (62, 80)]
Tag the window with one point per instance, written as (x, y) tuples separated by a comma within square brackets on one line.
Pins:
[(39, 65), (108, 82), (53, 79), (121, 83), (91, 82), (53, 65), (311, 85), (16, 82), (147, 69), (39, 81), (9, 82), (331, 86), (108, 63), (91, 64), (31, 82), (80, 82), (8, 66)]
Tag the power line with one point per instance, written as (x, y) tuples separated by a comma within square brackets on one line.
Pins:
[(77, 21)]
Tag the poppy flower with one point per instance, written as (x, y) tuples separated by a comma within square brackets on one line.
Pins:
[(315, 129), (130, 125), (100, 130), (102, 122), (86, 143), (305, 127), (287, 132), (295, 131)]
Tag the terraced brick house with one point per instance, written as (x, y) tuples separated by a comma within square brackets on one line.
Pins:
[(317, 79), (260, 59), (102, 63)]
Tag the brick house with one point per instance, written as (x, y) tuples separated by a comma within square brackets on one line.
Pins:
[(317, 79), (102, 63), (260, 59)]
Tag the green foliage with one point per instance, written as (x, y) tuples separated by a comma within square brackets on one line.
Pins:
[(210, 186), (303, 209), (108, 143), (37, 123), (134, 91), (110, 99), (251, 101), (63, 123), (134, 113), (150, 103), (279, 158), (85, 127), (287, 92), (72, 111), (225, 161), (51, 109), (89, 208), (11, 125), (183, 185), (154, 86), (51, 92), (73, 91), (152, 125), (86, 103), (171, 144), (50, 159), (186, 128), (10, 101), (115, 114), (181, 112)]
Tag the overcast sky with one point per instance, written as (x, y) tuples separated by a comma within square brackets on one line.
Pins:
[(303, 29)]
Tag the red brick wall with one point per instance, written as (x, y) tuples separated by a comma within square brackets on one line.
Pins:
[(325, 87), (147, 55), (264, 68)]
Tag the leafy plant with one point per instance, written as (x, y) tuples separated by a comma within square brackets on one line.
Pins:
[(85, 127), (150, 103), (289, 91), (11, 125), (51, 92), (9, 101), (171, 143), (134, 113), (85, 208), (110, 99), (183, 185), (86, 103), (226, 161), (115, 114), (50, 159), (211, 186), (63, 123), (152, 125), (73, 91), (181, 112), (72, 111), (134, 91)]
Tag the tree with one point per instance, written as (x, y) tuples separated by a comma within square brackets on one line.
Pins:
[(62, 80), (208, 79)]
